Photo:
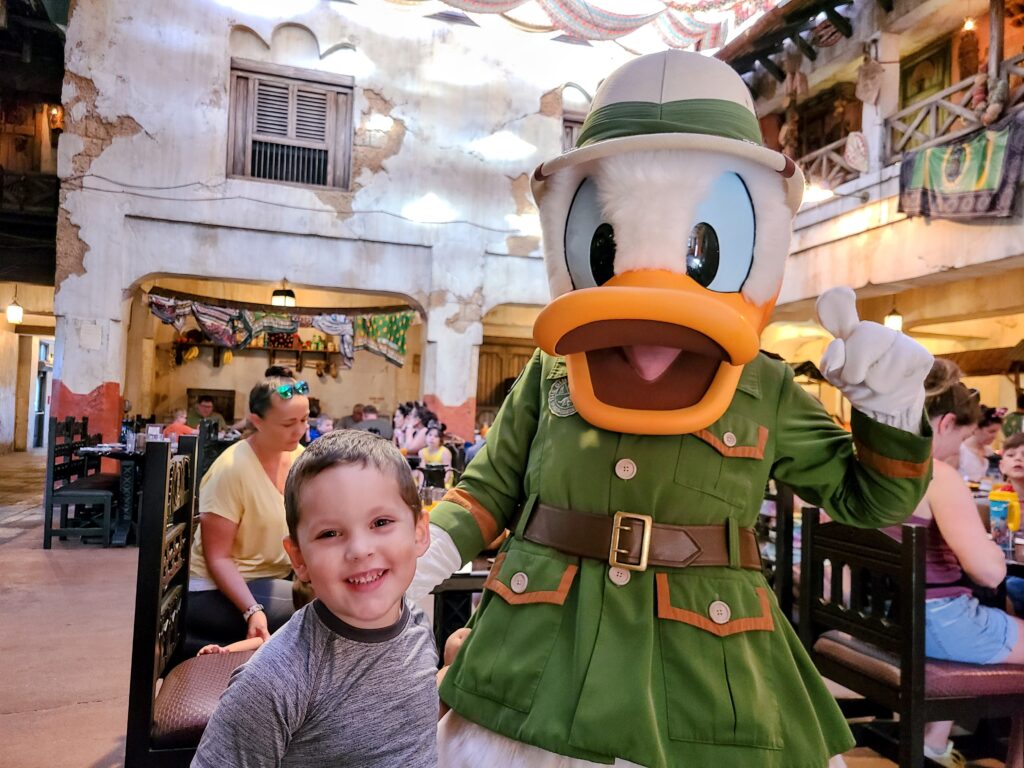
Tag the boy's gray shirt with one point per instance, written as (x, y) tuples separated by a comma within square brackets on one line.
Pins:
[(323, 693)]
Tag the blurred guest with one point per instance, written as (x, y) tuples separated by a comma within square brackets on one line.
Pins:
[(976, 449), (203, 411), (398, 423), (178, 427), (1013, 423), (374, 422), (350, 421), (322, 426), (414, 437), (434, 452)]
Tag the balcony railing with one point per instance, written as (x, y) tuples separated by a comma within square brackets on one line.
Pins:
[(827, 167), (946, 115), (33, 193)]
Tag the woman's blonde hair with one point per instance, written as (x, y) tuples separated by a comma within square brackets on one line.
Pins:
[(945, 393)]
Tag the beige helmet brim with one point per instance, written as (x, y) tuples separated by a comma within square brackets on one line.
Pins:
[(791, 174)]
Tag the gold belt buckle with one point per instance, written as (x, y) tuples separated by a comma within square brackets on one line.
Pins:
[(618, 526)]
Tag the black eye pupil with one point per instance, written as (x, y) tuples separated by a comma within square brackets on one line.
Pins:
[(602, 254), (702, 254)]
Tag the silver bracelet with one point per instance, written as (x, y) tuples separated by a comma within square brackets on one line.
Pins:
[(254, 608)]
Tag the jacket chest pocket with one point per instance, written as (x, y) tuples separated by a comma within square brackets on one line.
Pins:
[(517, 624), (724, 460), (718, 650)]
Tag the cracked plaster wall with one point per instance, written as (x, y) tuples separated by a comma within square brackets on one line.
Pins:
[(147, 98)]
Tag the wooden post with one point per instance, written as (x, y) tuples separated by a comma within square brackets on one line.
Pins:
[(995, 37)]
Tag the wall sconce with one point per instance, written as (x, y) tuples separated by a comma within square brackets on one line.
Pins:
[(283, 296), (894, 320), (15, 312), (55, 116)]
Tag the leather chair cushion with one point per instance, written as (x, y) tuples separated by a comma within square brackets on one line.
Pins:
[(942, 678), (189, 695)]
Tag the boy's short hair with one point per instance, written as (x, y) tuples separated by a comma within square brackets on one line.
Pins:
[(1016, 440), (343, 448), (205, 399)]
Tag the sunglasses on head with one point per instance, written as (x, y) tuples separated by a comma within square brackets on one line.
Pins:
[(287, 390)]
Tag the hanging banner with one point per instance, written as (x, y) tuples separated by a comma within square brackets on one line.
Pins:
[(384, 335), (973, 177)]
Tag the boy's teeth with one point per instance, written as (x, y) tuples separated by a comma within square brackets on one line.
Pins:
[(366, 578)]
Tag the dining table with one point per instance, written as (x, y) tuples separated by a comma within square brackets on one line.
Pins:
[(130, 471)]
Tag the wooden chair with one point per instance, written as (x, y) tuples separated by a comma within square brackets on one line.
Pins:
[(164, 729), (871, 640), (86, 496), (779, 570)]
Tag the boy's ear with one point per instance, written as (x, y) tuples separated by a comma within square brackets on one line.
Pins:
[(295, 555), (422, 534)]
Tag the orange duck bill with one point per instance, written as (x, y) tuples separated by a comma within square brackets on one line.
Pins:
[(651, 351)]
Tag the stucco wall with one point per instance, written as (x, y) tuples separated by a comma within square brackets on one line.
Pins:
[(447, 130)]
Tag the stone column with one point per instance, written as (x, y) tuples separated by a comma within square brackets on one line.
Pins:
[(874, 115), (88, 363), (454, 328)]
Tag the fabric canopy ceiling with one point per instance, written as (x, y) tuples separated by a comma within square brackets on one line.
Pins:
[(638, 25)]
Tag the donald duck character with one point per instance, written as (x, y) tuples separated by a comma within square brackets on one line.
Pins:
[(626, 619)]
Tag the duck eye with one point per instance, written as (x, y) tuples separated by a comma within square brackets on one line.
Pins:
[(702, 254), (720, 248), (602, 253), (589, 240)]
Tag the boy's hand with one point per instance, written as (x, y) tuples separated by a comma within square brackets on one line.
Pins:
[(258, 626), (213, 648), (453, 643)]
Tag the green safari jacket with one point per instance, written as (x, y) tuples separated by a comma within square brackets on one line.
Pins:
[(576, 664)]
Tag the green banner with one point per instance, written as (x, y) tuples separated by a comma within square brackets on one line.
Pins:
[(975, 176)]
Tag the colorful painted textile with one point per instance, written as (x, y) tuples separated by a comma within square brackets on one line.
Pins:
[(170, 311), (340, 326), (973, 177), (384, 335), (256, 323), (217, 323)]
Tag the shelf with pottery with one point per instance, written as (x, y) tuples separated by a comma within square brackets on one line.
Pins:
[(294, 357)]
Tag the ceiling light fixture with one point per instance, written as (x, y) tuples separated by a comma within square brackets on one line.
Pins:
[(15, 312), (283, 296), (894, 320)]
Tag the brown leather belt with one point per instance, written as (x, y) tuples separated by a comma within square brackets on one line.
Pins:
[(634, 542)]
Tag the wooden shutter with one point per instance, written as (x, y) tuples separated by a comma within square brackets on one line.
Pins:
[(288, 129)]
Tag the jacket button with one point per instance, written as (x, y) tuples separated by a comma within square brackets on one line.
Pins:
[(619, 576), (719, 612), (625, 469), (519, 582), (729, 439)]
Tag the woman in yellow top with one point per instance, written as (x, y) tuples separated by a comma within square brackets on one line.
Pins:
[(237, 585)]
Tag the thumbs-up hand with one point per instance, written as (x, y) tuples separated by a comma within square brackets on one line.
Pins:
[(879, 370)]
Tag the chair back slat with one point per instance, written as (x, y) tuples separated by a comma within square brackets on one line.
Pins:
[(165, 540), (864, 596)]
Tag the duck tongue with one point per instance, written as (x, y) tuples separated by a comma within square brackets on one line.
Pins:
[(650, 362)]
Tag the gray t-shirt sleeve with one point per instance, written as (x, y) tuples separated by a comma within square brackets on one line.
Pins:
[(263, 706)]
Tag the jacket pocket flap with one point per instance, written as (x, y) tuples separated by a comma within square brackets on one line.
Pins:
[(737, 437), (519, 578), (720, 606)]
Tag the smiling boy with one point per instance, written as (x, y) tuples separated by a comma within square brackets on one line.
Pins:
[(349, 680)]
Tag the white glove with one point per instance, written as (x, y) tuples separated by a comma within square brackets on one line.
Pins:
[(440, 561), (881, 371)]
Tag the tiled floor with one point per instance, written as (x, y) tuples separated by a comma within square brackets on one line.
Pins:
[(65, 639)]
